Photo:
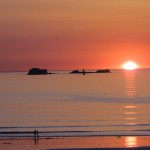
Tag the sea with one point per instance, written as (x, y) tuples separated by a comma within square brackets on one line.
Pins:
[(64, 104)]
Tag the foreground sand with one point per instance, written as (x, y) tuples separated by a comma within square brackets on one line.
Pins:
[(102, 142)]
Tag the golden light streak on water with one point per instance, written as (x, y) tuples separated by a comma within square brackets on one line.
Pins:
[(130, 87), (131, 118), (130, 109), (130, 106), (130, 113)]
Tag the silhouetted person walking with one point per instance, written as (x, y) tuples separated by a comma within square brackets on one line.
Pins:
[(34, 133), (37, 133), (36, 136)]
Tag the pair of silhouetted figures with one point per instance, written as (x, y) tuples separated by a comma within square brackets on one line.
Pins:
[(36, 136)]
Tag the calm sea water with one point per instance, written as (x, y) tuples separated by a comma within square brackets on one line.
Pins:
[(63, 104)]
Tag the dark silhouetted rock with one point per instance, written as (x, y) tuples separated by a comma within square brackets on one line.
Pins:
[(103, 71), (83, 72), (37, 71), (75, 71)]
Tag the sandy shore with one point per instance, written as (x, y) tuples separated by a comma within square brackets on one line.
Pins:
[(74, 143)]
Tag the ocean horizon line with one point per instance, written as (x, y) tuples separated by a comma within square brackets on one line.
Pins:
[(14, 71)]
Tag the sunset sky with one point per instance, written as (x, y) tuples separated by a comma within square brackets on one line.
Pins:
[(73, 34)]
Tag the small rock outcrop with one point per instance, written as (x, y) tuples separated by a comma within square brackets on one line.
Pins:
[(37, 71), (98, 71), (103, 71), (75, 71)]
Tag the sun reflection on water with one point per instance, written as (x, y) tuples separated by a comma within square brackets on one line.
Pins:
[(130, 106), (130, 109), (130, 87), (131, 118), (131, 141)]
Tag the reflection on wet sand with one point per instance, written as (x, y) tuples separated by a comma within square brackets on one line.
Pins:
[(131, 141)]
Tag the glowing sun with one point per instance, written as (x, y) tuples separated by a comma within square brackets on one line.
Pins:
[(130, 65)]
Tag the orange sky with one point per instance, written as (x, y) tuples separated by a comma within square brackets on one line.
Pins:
[(73, 34)]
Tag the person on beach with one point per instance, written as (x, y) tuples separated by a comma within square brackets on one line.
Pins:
[(36, 136), (34, 133), (37, 133)]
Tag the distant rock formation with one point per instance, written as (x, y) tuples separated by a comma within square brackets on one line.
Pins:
[(75, 71), (103, 71), (83, 72), (37, 71)]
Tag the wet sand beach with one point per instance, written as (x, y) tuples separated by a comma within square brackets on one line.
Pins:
[(75, 143)]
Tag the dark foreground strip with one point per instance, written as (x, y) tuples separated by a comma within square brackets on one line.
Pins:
[(137, 148)]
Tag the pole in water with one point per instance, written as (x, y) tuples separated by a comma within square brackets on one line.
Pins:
[(83, 72)]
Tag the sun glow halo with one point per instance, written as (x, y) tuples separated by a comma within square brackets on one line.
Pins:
[(130, 65)]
